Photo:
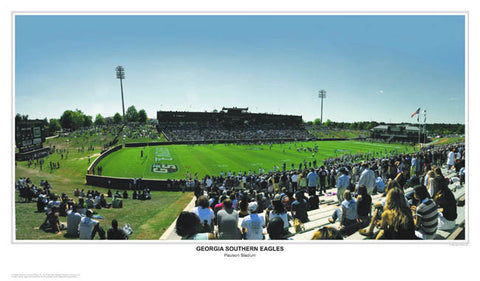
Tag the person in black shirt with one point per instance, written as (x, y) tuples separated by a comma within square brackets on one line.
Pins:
[(114, 233), (364, 205)]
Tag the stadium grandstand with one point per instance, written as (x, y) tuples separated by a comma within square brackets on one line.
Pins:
[(230, 124)]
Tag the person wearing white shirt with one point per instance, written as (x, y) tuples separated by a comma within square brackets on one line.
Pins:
[(367, 179), (203, 211), (294, 180), (450, 159), (89, 227), (253, 224)]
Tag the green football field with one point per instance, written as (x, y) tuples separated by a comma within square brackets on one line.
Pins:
[(175, 161)]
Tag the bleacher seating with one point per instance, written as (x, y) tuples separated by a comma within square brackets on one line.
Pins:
[(319, 217)]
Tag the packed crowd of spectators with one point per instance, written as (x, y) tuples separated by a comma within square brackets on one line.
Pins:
[(289, 195), (240, 132), (131, 130)]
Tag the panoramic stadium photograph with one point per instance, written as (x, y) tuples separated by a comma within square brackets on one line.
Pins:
[(293, 127)]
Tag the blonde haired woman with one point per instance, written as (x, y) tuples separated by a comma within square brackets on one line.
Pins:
[(397, 219), (431, 183)]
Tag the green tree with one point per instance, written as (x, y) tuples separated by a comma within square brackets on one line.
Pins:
[(117, 118), (19, 117), (328, 123), (131, 115), (316, 121), (142, 116), (99, 120), (108, 120), (72, 120), (87, 121), (53, 126)]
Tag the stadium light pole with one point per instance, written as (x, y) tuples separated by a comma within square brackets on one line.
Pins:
[(121, 75), (322, 94)]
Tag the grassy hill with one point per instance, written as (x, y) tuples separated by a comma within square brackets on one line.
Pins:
[(149, 219)]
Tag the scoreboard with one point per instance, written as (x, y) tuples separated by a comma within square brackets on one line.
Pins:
[(29, 135)]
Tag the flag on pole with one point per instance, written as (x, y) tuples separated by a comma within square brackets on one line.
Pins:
[(415, 113)]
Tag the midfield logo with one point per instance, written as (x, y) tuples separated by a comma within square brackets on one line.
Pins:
[(164, 168)]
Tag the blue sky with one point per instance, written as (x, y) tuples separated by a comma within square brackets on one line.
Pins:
[(377, 67)]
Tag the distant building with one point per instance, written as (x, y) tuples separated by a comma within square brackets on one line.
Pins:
[(397, 133)]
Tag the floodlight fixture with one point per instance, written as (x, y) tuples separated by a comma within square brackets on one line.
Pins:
[(322, 94), (121, 75)]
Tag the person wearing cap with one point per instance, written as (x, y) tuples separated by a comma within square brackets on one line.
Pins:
[(253, 224), (89, 227)]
